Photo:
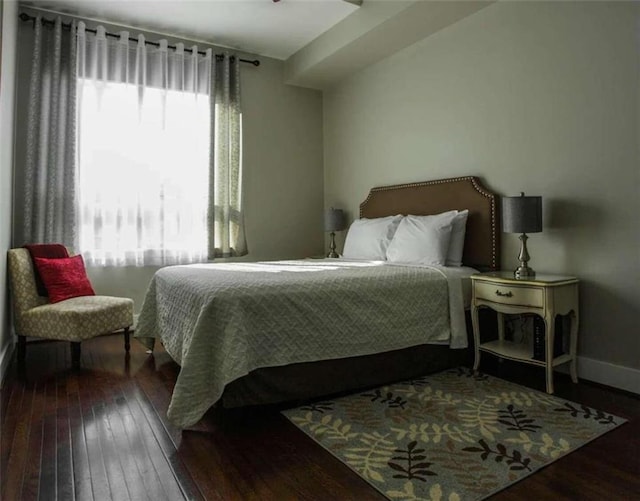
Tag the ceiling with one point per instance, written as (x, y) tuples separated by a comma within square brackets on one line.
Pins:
[(273, 29), (320, 41)]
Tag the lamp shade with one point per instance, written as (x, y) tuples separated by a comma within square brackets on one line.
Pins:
[(522, 214), (334, 220)]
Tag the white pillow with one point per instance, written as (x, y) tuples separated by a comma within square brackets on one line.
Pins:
[(456, 244), (422, 239), (369, 238)]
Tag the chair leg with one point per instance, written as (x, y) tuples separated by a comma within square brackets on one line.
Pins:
[(75, 354), (22, 348), (126, 339)]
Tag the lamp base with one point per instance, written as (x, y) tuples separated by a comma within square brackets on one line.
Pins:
[(332, 246), (524, 272)]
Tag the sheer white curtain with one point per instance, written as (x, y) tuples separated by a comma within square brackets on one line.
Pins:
[(144, 151)]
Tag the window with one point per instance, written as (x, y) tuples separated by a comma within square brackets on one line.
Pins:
[(143, 174), (125, 161)]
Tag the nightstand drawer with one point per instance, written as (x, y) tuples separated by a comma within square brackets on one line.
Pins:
[(504, 294)]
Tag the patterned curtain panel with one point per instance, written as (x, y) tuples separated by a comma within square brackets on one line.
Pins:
[(227, 237), (49, 189)]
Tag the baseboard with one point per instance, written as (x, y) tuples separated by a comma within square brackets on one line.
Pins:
[(616, 376), (5, 360)]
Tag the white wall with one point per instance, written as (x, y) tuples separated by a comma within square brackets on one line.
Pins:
[(540, 97), (7, 106), (282, 164)]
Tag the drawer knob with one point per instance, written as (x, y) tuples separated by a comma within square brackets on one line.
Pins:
[(504, 294)]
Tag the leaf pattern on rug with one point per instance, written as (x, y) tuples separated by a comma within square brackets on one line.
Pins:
[(320, 407), (519, 398), (543, 399), (566, 428), (586, 413), (439, 404), (481, 415), (416, 466), (385, 397), (372, 456), (449, 436), (470, 475), (356, 412), (470, 373), (516, 419), (435, 494), (515, 460), (434, 432), (332, 429), (547, 446), (428, 394)]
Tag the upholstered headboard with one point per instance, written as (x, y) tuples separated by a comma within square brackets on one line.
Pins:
[(482, 241)]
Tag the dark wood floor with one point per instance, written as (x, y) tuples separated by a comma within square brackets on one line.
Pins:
[(102, 434)]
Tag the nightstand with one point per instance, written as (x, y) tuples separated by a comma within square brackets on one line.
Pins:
[(544, 295)]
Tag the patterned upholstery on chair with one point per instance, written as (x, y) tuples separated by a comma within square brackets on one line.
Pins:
[(22, 280), (74, 319), (78, 318)]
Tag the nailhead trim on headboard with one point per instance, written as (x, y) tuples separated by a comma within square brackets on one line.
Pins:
[(478, 187)]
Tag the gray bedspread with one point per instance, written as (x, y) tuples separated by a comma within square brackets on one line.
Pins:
[(221, 321)]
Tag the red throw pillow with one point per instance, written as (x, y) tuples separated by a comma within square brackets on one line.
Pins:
[(50, 251), (64, 278)]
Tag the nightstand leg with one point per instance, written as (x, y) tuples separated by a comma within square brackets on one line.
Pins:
[(500, 326), (500, 331), (476, 337), (549, 321), (573, 346)]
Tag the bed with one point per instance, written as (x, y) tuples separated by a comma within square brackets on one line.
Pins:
[(256, 333)]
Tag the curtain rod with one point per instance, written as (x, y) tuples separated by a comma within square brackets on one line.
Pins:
[(50, 22)]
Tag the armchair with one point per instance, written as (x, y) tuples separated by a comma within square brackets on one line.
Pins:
[(72, 320)]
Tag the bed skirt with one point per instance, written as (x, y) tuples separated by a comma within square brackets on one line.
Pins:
[(310, 380)]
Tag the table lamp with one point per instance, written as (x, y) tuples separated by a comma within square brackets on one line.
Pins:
[(334, 220), (522, 215)]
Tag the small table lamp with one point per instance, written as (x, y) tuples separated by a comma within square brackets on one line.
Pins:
[(522, 215), (334, 220)]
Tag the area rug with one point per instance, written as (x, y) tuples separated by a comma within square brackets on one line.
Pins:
[(451, 436)]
